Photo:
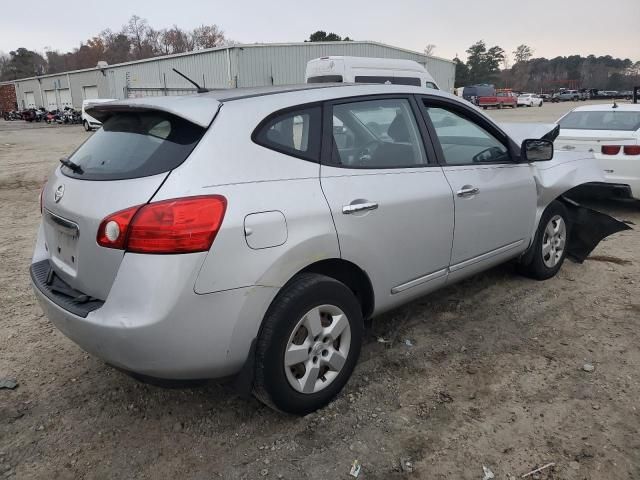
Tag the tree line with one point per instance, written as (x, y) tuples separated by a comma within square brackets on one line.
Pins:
[(135, 40), (493, 65)]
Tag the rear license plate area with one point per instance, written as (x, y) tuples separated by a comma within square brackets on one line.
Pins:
[(62, 242)]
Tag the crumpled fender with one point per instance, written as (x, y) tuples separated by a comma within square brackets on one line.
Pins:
[(588, 228), (565, 171), (554, 179)]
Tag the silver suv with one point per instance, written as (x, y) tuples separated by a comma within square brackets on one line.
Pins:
[(250, 232)]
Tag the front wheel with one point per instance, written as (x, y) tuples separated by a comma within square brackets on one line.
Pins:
[(86, 125), (550, 243), (309, 344)]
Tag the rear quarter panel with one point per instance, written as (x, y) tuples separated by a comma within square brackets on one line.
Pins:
[(254, 179)]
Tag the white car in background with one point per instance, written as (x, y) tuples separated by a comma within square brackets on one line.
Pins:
[(529, 100), (340, 69), (612, 133), (88, 122)]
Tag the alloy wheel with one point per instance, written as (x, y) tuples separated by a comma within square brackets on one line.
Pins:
[(317, 349), (553, 241)]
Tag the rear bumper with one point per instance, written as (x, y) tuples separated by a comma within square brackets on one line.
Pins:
[(153, 323)]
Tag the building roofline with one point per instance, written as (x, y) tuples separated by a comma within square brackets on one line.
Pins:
[(225, 47)]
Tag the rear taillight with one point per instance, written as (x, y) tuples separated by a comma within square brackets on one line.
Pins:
[(181, 225), (610, 149), (631, 149)]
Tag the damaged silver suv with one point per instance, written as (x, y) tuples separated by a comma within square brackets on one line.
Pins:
[(250, 233)]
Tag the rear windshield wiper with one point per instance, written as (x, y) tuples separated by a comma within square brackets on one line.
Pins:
[(74, 167)]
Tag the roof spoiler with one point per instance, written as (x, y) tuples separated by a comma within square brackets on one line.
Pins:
[(197, 109)]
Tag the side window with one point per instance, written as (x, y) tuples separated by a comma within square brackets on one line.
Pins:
[(431, 85), (294, 132), (376, 134), (464, 142), (388, 80)]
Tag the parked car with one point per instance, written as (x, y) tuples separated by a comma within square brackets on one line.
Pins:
[(612, 134), (473, 92), (530, 100), (499, 100), (88, 122), (249, 232), (566, 96), (368, 70)]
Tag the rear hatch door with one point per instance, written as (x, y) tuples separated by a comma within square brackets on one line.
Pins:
[(121, 166)]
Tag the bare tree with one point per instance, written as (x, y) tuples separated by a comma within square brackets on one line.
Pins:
[(207, 36), (506, 62), (137, 29), (176, 40), (429, 49)]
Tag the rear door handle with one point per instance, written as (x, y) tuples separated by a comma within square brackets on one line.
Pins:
[(359, 207), (468, 191)]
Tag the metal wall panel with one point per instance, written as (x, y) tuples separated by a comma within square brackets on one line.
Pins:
[(285, 64), (239, 66)]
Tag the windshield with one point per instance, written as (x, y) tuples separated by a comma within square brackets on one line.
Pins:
[(133, 145), (602, 120)]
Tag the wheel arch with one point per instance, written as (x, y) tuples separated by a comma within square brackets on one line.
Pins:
[(351, 275)]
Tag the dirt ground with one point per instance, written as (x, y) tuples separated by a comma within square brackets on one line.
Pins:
[(488, 372)]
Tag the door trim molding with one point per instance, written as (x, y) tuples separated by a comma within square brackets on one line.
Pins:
[(419, 281), (485, 256)]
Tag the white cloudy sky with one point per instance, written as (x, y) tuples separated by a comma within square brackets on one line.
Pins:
[(551, 27)]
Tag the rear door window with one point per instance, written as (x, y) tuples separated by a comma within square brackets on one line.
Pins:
[(294, 132), (133, 145)]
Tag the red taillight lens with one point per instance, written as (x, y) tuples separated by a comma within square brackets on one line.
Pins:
[(610, 149), (631, 149), (113, 230), (181, 225)]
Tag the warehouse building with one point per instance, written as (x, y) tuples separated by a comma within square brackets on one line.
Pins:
[(224, 67)]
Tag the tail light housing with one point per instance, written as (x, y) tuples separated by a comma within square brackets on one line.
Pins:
[(631, 149), (180, 225), (610, 149)]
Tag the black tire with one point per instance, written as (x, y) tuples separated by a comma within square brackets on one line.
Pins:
[(87, 127), (302, 294), (536, 268)]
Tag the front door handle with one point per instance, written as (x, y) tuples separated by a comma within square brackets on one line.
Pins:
[(359, 207), (468, 191)]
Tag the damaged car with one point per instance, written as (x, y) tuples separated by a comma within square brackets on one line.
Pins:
[(249, 233)]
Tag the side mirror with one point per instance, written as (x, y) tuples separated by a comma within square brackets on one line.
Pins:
[(535, 150)]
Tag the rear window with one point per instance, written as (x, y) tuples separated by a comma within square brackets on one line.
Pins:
[(602, 120), (133, 145), (325, 79)]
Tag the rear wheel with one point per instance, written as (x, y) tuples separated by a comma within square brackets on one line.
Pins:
[(309, 344), (550, 244)]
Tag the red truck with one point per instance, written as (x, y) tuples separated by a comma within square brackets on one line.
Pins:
[(502, 98)]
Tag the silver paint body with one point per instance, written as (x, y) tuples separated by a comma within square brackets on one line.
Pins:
[(195, 315)]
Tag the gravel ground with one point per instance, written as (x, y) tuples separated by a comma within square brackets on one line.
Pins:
[(488, 372)]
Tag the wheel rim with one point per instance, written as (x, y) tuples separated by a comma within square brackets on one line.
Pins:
[(553, 241), (317, 349)]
